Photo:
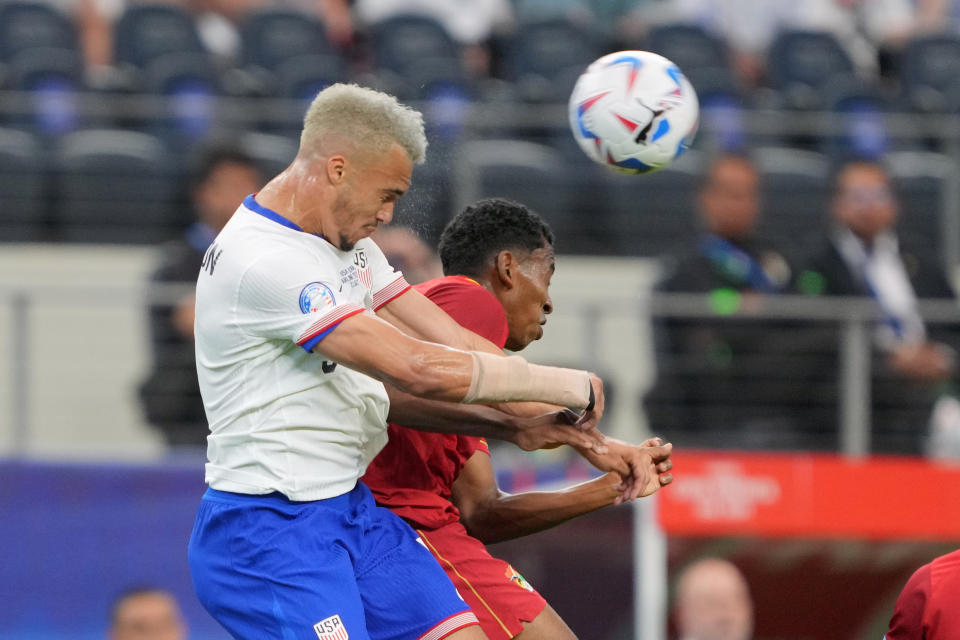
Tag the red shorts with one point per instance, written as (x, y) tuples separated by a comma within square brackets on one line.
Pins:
[(498, 595)]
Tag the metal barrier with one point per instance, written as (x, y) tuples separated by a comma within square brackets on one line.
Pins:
[(853, 316)]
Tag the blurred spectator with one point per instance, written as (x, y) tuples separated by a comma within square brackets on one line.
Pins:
[(870, 30), (219, 21), (471, 23), (146, 613), (727, 254), (717, 377), (927, 607), (713, 602), (406, 252), (223, 177), (861, 255), (749, 26), (938, 15)]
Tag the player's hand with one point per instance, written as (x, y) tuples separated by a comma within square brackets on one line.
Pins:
[(643, 469), (550, 430)]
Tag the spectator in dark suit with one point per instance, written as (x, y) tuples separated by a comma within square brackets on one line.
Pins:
[(724, 381), (861, 255), (223, 176)]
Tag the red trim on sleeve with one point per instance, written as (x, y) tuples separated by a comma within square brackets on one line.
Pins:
[(337, 315), (453, 623), (385, 295)]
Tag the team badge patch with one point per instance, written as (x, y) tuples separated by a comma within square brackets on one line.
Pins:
[(516, 578), (316, 296), (331, 629)]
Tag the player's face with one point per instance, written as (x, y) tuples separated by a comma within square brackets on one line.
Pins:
[(367, 197), (148, 616), (730, 201), (528, 303), (864, 201)]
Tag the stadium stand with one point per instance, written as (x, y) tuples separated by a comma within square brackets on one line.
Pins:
[(929, 68), (546, 57), (29, 25), (147, 31), (22, 187), (802, 63), (115, 186)]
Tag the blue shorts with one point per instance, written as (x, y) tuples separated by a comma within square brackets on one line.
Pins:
[(266, 567)]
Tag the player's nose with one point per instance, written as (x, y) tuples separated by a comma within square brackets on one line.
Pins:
[(385, 213)]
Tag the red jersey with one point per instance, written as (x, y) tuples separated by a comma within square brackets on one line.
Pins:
[(929, 605), (414, 474)]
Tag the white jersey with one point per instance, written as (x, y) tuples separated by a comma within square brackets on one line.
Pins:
[(281, 418)]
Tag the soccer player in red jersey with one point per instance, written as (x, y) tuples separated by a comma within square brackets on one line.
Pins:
[(929, 605), (498, 259)]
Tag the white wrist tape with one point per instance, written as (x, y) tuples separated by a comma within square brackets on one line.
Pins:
[(499, 379)]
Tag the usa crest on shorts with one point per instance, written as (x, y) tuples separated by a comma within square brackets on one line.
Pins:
[(331, 629)]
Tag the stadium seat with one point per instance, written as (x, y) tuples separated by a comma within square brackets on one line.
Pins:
[(545, 58), (274, 35), (272, 153), (302, 77), (22, 188), (528, 173), (115, 186), (147, 31), (802, 63), (794, 186), (53, 80), (191, 85), (863, 133), (642, 215), (929, 68), (926, 185), (30, 25), (400, 42), (691, 47)]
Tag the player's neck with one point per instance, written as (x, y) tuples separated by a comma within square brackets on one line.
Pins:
[(295, 198)]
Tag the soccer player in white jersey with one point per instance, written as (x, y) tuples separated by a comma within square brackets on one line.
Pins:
[(299, 322)]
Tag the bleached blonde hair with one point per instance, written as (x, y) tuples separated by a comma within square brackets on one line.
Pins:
[(370, 120)]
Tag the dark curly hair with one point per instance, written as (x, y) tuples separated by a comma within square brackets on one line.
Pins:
[(485, 228)]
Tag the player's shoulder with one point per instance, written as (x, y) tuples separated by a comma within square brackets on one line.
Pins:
[(459, 286)]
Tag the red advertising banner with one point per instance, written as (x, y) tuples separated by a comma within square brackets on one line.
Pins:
[(813, 495)]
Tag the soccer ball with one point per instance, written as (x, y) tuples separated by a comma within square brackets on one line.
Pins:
[(633, 111)]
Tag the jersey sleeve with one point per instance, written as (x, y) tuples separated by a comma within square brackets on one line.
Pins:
[(386, 283), (473, 308), (907, 620), (291, 298)]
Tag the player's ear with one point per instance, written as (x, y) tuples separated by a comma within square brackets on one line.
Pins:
[(506, 268), (336, 168)]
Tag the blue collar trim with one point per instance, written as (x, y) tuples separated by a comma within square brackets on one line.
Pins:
[(250, 203)]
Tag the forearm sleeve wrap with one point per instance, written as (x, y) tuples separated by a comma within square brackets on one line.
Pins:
[(510, 379)]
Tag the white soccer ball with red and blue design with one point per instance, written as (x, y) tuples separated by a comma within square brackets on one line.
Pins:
[(633, 111)]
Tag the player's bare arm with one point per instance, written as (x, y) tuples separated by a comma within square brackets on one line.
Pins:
[(418, 316), (491, 515), (543, 431), (424, 369)]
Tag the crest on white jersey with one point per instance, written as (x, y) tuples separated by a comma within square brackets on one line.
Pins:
[(331, 629), (316, 296)]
